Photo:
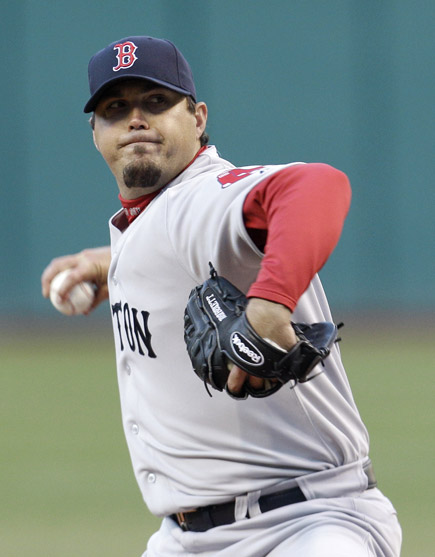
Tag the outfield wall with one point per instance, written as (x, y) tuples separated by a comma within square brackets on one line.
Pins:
[(349, 83)]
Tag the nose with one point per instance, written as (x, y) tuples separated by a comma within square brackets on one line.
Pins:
[(137, 120)]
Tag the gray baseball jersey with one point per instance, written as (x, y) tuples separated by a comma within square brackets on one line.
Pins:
[(189, 450)]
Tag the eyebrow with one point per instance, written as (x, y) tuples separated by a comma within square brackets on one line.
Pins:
[(118, 90)]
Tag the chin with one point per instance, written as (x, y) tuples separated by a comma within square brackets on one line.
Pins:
[(141, 174)]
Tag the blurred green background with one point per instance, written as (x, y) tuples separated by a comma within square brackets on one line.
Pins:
[(347, 82)]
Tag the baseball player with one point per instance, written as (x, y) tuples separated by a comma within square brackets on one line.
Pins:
[(282, 475)]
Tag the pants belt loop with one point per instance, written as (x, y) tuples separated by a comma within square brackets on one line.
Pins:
[(254, 504), (181, 521), (370, 473), (241, 507)]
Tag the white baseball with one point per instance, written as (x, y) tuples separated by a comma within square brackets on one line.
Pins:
[(79, 299)]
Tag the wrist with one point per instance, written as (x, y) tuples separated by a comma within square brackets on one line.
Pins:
[(271, 321)]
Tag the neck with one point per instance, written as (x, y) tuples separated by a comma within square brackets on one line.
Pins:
[(134, 193)]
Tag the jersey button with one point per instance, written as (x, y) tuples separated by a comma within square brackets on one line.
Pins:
[(115, 280), (128, 369), (151, 478), (135, 429)]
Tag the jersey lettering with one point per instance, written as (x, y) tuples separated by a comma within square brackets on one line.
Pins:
[(236, 174), (138, 335), (126, 55)]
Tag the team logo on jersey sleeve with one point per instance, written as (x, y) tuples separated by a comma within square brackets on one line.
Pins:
[(235, 174), (126, 55)]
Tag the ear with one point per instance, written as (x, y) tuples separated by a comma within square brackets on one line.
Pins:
[(95, 140), (201, 118)]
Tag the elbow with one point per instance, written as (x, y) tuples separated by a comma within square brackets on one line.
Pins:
[(334, 183)]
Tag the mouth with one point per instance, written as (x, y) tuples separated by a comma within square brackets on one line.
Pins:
[(140, 139)]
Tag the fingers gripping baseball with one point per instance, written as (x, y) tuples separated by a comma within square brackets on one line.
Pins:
[(90, 265)]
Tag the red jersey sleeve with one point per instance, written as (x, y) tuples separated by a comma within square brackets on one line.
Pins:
[(295, 217)]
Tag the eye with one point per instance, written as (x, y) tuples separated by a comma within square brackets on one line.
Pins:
[(111, 107), (157, 99), (157, 102), (116, 104)]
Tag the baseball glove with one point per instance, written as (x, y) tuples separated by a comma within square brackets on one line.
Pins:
[(218, 335)]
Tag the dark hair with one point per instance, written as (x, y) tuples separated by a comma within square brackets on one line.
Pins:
[(191, 107)]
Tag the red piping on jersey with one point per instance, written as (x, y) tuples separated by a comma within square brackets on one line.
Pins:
[(134, 207)]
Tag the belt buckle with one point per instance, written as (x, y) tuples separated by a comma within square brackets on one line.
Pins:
[(182, 521)]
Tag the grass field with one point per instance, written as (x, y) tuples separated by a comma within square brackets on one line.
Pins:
[(67, 489)]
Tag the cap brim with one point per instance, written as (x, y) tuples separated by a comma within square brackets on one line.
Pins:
[(91, 105)]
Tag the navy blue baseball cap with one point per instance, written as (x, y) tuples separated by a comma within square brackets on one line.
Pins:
[(156, 60)]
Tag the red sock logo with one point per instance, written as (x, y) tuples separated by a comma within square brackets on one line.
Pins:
[(126, 55)]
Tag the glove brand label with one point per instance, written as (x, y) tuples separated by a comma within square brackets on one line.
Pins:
[(245, 350), (215, 307)]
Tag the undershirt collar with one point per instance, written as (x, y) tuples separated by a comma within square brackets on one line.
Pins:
[(134, 207)]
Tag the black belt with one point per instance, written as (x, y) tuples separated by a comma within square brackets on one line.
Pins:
[(204, 518)]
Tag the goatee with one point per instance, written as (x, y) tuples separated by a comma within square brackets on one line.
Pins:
[(141, 175)]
